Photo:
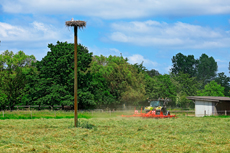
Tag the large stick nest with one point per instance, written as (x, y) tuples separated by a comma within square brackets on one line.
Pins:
[(80, 24)]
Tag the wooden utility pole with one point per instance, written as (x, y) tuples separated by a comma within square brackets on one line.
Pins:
[(75, 24)]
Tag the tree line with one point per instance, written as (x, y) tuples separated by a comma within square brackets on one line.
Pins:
[(103, 81)]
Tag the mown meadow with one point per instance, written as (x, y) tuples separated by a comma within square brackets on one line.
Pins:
[(116, 134)]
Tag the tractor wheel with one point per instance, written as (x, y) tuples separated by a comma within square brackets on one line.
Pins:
[(168, 112)]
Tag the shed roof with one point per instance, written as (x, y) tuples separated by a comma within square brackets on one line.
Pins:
[(209, 98)]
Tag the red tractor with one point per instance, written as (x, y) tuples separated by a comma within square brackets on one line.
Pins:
[(157, 109)]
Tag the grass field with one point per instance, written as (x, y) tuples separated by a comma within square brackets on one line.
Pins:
[(116, 134), (41, 114)]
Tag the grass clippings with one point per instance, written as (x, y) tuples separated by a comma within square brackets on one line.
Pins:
[(116, 134)]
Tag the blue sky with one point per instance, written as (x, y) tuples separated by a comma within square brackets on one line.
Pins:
[(152, 31)]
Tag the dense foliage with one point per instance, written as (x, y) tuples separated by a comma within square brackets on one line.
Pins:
[(204, 68), (223, 80), (212, 89), (186, 86), (185, 64), (125, 83), (103, 81), (13, 72), (54, 84)]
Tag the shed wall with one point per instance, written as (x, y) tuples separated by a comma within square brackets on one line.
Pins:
[(202, 106)]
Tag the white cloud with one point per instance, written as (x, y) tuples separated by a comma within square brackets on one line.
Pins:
[(118, 36), (33, 38), (137, 58), (111, 9), (39, 26), (132, 59), (35, 32), (220, 60), (115, 50), (163, 35), (6, 30), (168, 69)]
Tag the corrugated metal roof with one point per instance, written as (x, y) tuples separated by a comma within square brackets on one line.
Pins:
[(209, 98)]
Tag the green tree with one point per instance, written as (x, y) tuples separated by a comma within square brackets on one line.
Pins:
[(13, 69), (152, 87), (166, 88), (3, 100), (123, 80), (184, 64), (223, 80), (140, 67), (54, 85), (186, 86), (207, 68), (204, 68), (212, 89), (153, 72), (101, 91), (161, 86)]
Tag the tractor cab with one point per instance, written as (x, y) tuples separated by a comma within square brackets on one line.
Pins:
[(158, 106), (156, 103)]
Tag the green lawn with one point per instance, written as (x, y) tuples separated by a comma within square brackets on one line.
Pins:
[(116, 134)]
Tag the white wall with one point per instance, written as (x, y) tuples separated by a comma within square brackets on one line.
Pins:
[(201, 106)]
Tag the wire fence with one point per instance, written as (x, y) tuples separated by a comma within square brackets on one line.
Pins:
[(30, 111), (102, 107), (31, 114)]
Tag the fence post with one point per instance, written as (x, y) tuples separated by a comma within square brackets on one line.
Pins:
[(3, 113), (110, 112), (225, 112), (55, 114), (205, 113), (31, 114)]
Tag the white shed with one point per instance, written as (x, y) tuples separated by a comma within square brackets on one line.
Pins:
[(208, 105)]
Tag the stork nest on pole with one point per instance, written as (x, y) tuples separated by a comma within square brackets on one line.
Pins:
[(80, 24)]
